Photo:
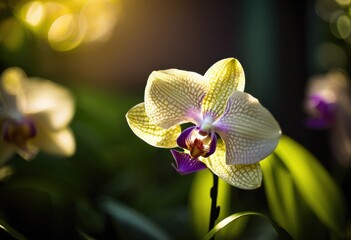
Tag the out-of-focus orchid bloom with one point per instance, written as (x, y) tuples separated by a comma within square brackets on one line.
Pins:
[(232, 131), (328, 104), (34, 115)]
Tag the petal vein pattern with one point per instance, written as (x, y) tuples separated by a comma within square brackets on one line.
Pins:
[(174, 96), (154, 135), (249, 130), (241, 176), (224, 77)]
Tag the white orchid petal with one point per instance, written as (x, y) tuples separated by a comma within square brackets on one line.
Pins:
[(241, 176), (154, 135), (59, 142), (174, 96), (249, 131), (49, 103)]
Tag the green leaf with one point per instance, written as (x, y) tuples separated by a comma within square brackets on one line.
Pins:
[(84, 235), (12, 232), (284, 200), (316, 186), (235, 217), (200, 205), (131, 218)]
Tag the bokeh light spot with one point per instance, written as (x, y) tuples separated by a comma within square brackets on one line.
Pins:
[(34, 13), (65, 33), (100, 18), (333, 23), (343, 25)]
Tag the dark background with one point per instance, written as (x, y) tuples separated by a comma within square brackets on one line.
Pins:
[(277, 43)]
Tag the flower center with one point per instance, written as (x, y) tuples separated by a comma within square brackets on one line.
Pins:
[(199, 143), (18, 132)]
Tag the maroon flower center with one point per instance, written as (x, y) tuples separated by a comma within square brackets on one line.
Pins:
[(197, 148), (18, 132)]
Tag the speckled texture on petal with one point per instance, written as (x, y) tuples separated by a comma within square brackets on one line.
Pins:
[(224, 77), (174, 96), (249, 131), (154, 135), (241, 176)]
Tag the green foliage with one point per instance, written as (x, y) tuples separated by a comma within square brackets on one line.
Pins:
[(56, 198), (283, 235), (9, 230), (130, 218), (200, 203), (300, 191), (62, 197)]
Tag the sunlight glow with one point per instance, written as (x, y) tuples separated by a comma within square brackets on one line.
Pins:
[(65, 33), (35, 13), (100, 19), (68, 24)]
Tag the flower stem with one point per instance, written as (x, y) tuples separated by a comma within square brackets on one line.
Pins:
[(214, 208)]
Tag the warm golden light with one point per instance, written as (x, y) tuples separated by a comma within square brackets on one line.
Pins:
[(65, 33), (34, 14), (100, 18), (67, 24)]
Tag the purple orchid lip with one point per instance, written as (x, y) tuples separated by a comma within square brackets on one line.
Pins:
[(18, 132), (213, 145), (185, 164), (325, 112), (181, 140), (197, 146)]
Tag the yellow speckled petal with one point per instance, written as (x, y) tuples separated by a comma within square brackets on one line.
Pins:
[(150, 133), (241, 176), (174, 96), (249, 131), (224, 77)]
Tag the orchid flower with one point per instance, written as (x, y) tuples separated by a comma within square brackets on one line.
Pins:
[(232, 131), (328, 105), (34, 114)]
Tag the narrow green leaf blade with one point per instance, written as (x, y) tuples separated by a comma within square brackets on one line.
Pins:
[(128, 216), (12, 232), (284, 235), (316, 186)]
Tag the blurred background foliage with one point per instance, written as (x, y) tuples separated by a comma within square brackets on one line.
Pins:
[(118, 187)]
